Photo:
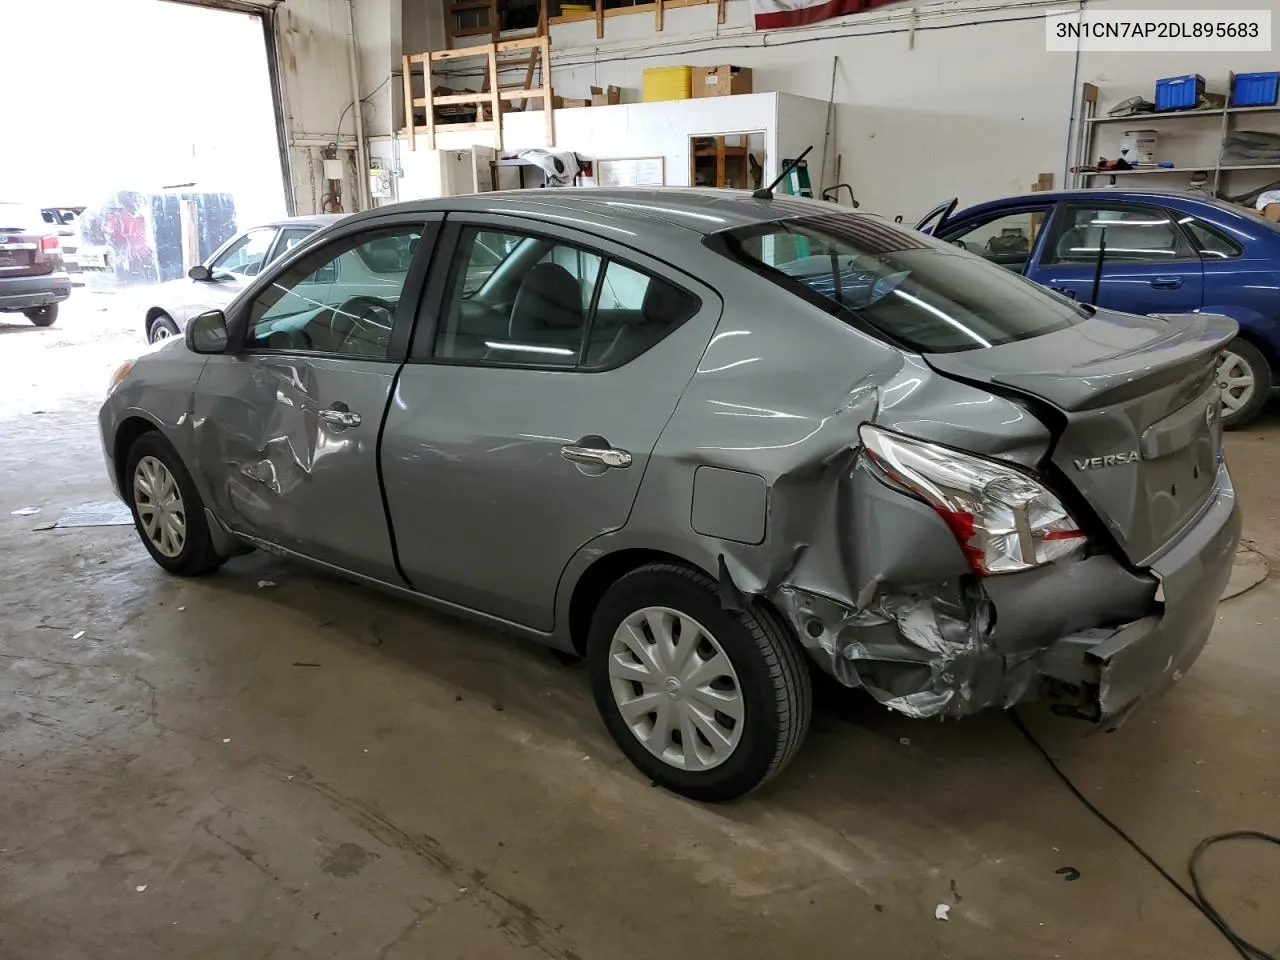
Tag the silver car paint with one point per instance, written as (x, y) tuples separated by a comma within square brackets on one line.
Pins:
[(872, 581)]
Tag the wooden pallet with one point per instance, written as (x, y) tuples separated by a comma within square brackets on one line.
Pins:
[(489, 25), (497, 56)]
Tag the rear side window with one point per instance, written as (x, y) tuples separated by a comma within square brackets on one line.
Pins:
[(1132, 234), (524, 300), (1210, 242), (922, 294)]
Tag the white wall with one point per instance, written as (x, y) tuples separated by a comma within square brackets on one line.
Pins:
[(311, 41), (635, 130), (967, 103)]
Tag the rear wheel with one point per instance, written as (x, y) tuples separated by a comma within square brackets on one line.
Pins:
[(1244, 377), (167, 510), (162, 328), (43, 316), (705, 702)]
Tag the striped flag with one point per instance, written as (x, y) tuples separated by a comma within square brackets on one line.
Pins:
[(778, 14)]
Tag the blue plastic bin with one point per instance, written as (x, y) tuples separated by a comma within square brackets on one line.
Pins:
[(1256, 89), (1179, 93)]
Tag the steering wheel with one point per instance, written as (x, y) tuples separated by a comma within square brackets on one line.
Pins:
[(360, 311)]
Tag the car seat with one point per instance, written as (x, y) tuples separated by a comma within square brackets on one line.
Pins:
[(663, 308), (548, 308)]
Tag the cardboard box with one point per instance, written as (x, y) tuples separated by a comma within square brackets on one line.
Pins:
[(607, 97), (576, 102), (721, 81)]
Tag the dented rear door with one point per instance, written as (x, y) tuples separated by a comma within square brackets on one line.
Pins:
[(287, 424)]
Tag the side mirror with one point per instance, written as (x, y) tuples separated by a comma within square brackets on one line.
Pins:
[(200, 272), (207, 332)]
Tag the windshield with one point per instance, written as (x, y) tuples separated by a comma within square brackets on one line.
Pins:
[(914, 291)]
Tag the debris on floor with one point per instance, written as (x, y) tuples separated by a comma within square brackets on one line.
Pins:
[(940, 911), (266, 584), (25, 512), (77, 635), (100, 513), (1068, 873)]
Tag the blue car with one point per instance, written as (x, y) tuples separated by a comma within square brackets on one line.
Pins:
[(1146, 252)]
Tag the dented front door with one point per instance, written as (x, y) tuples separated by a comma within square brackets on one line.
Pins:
[(287, 425)]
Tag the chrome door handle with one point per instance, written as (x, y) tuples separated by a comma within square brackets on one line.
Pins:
[(340, 418), (1167, 283), (607, 457)]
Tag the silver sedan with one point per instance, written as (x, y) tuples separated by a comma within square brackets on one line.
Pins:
[(706, 439)]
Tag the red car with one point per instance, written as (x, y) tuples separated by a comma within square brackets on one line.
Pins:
[(33, 279)]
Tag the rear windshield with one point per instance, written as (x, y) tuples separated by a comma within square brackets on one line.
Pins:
[(919, 293)]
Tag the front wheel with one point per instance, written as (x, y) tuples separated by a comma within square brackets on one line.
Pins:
[(162, 328), (705, 702), (1244, 377), (167, 510), (43, 316)]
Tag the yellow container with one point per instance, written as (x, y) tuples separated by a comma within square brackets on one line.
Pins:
[(668, 83)]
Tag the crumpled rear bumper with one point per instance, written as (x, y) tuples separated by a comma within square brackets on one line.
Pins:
[(1140, 661), (1103, 637)]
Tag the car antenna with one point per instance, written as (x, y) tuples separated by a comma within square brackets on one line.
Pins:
[(1097, 270), (766, 193)]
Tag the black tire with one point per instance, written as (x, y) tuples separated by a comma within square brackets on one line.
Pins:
[(197, 556), (43, 316), (774, 681), (1260, 369), (161, 328)]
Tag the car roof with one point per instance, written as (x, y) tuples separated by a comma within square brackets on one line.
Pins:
[(316, 220), (1154, 194), (699, 210)]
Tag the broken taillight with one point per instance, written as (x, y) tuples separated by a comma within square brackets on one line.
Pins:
[(1004, 520)]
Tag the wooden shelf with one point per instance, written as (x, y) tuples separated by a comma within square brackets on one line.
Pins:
[(492, 99), (1210, 168), (1084, 152)]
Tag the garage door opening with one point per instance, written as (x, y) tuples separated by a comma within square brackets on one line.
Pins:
[(158, 118)]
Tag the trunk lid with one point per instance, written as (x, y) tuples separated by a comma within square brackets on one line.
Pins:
[(1139, 412), (22, 242)]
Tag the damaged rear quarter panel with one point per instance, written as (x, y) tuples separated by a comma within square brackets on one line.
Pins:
[(871, 580)]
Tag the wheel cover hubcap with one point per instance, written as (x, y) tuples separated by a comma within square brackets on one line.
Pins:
[(161, 332), (676, 689), (1235, 380), (158, 500)]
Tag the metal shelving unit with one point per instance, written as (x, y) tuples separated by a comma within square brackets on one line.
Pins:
[(1085, 154)]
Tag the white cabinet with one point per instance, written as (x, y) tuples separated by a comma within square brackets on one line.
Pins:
[(444, 173)]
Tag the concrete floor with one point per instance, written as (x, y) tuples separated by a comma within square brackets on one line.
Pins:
[(312, 770)]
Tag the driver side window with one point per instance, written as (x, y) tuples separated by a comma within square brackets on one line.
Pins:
[(1006, 240), (245, 257), (340, 301)]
